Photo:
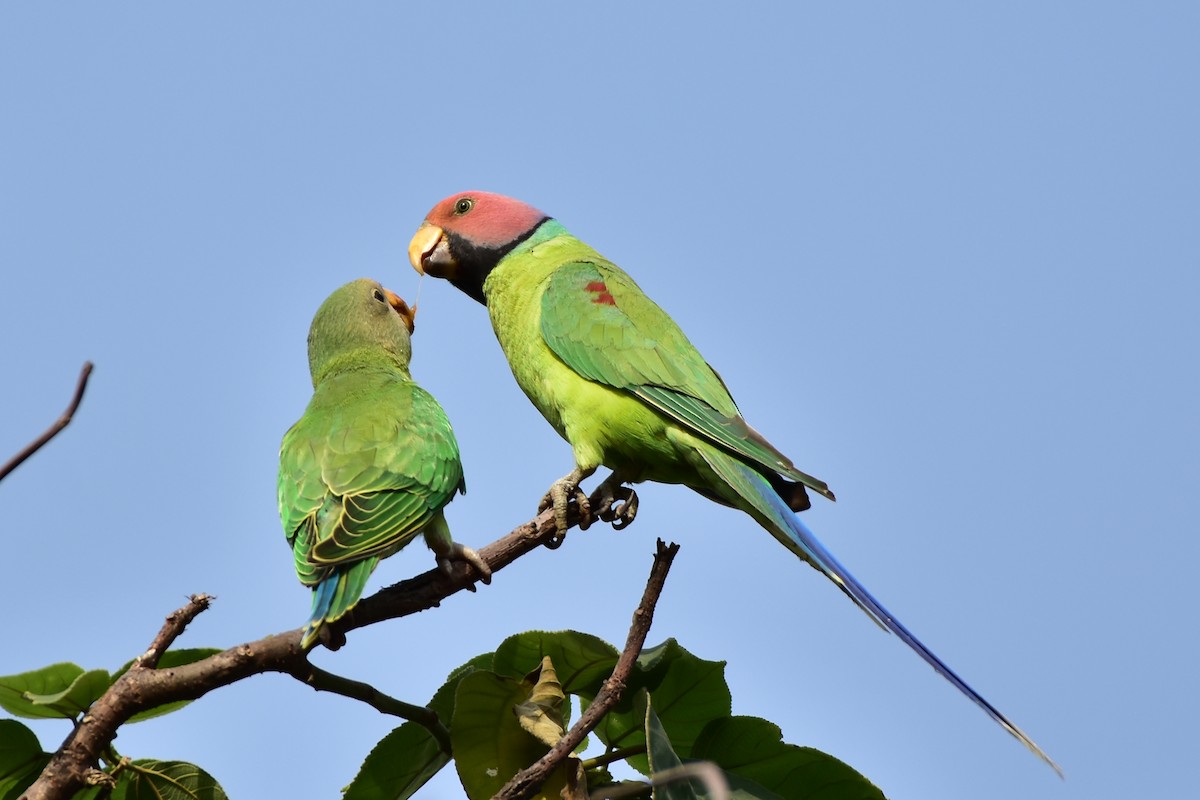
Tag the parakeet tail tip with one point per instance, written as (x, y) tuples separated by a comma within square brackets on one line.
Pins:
[(774, 513)]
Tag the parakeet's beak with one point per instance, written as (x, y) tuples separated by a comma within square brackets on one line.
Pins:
[(429, 252), (402, 308)]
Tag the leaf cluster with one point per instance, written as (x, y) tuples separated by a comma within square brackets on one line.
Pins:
[(67, 691), (506, 709)]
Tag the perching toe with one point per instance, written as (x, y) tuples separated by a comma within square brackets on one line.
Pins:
[(460, 552), (624, 513), (607, 508)]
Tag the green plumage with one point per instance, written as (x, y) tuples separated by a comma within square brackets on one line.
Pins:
[(372, 461), (611, 370), (618, 379), (625, 344)]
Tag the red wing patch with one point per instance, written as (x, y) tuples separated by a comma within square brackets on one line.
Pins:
[(602, 294)]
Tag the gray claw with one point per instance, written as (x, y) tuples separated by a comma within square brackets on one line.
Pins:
[(606, 507), (624, 513), (460, 552)]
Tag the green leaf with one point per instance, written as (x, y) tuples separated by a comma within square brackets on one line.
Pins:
[(651, 657), (754, 749), (489, 744), (443, 699), (582, 661), (26, 694), (399, 765), (76, 698), (169, 660), (404, 760), (18, 745), (148, 779), (619, 728), (689, 692), (744, 789), (66, 691), (542, 713), (599, 777), (662, 757), (21, 759)]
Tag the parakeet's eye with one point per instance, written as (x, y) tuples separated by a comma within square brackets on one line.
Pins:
[(379, 296), (463, 205)]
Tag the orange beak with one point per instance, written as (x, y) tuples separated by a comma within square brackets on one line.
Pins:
[(429, 252), (402, 308)]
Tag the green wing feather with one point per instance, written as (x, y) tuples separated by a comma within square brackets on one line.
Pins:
[(601, 324), (369, 464)]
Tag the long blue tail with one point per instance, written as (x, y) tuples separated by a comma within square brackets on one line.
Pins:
[(773, 513)]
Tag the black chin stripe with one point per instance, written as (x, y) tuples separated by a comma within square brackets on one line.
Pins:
[(469, 285), (476, 263)]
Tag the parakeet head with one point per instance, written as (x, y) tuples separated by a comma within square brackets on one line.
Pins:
[(465, 235), (360, 322)]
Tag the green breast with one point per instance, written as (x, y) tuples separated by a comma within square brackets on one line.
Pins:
[(603, 425), (514, 300)]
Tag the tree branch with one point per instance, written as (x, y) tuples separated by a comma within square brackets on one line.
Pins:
[(424, 716), (427, 590), (52, 431), (611, 756), (142, 687), (716, 787), (172, 628), (528, 780)]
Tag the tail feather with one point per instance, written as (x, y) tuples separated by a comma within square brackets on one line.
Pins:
[(322, 598), (336, 594), (771, 511)]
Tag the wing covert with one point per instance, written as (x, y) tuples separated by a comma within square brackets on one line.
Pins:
[(601, 324)]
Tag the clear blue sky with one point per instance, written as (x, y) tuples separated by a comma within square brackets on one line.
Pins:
[(945, 257)]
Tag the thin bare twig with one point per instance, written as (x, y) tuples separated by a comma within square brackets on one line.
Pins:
[(528, 780), (424, 716), (610, 756), (716, 787), (171, 629), (52, 431)]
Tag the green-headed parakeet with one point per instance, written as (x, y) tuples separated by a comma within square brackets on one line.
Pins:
[(618, 379), (372, 462)]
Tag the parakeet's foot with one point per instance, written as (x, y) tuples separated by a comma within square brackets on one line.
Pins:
[(331, 640), (606, 507), (561, 493), (460, 552)]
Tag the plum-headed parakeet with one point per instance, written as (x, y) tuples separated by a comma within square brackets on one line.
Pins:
[(618, 379), (372, 462)]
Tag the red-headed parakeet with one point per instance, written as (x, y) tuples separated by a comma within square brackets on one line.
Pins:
[(618, 379)]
